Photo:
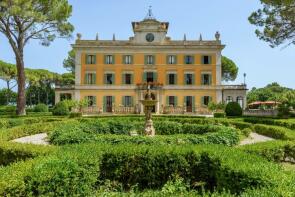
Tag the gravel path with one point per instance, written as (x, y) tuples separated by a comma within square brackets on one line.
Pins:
[(255, 138), (33, 139)]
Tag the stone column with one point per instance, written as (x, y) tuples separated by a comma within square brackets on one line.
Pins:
[(158, 103), (218, 68), (78, 68)]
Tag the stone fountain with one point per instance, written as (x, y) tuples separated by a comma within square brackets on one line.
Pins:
[(148, 104)]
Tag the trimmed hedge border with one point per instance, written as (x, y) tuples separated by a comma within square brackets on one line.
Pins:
[(13, 152), (276, 151), (275, 132), (76, 171), (90, 130), (270, 121)]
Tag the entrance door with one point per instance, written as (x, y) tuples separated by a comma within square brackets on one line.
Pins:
[(189, 103), (109, 104)]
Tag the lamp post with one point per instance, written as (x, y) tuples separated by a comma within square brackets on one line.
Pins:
[(245, 78)]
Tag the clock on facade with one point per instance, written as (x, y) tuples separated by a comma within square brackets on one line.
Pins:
[(150, 37)]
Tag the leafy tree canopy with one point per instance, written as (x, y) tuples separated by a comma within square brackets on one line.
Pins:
[(69, 62), (272, 92), (229, 69), (24, 20), (275, 21)]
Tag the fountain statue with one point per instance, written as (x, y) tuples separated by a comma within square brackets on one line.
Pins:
[(148, 104)]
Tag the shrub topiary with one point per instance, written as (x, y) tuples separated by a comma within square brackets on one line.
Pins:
[(246, 132), (41, 108), (60, 109), (233, 109)]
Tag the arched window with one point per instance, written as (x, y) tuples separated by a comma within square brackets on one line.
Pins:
[(240, 100), (229, 99)]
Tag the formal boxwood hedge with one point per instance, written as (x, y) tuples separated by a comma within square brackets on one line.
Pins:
[(277, 151), (81, 169), (87, 130), (13, 152), (26, 130), (226, 137), (275, 132), (271, 121)]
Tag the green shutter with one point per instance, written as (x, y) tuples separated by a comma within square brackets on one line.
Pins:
[(184, 100), (154, 60), (113, 100), (94, 59), (144, 77), (202, 59), (184, 79), (193, 59), (105, 78), (167, 79), (123, 79), (203, 101), (193, 79), (113, 79), (175, 79), (86, 78), (167, 100), (104, 104), (202, 79), (145, 59), (105, 59), (210, 59), (94, 78), (167, 59), (210, 79), (193, 103), (184, 57), (123, 101), (176, 59), (114, 59), (176, 101), (94, 100)]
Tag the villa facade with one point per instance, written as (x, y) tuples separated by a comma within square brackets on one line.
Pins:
[(184, 75)]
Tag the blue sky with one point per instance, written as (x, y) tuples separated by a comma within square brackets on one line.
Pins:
[(262, 64)]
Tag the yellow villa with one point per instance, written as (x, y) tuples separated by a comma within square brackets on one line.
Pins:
[(184, 75)]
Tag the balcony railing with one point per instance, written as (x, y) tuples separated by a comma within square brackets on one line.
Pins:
[(153, 85)]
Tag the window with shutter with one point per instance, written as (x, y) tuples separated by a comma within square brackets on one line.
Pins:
[(188, 79), (127, 59), (109, 79), (206, 79), (206, 59), (188, 59), (171, 59), (90, 59), (109, 59)]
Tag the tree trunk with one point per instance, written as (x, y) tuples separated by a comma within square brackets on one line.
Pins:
[(21, 78), (8, 92)]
